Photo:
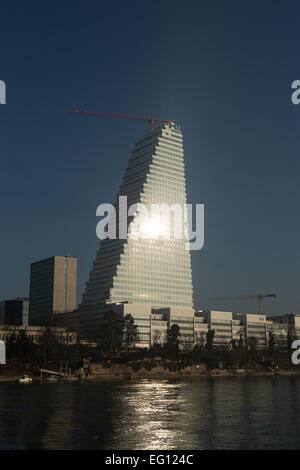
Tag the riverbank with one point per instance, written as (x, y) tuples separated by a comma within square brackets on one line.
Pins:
[(98, 372), (9, 378), (188, 377), (164, 376)]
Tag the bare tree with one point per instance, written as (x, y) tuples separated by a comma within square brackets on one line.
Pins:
[(200, 339), (130, 335)]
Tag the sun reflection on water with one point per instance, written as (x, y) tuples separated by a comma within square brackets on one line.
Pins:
[(158, 410)]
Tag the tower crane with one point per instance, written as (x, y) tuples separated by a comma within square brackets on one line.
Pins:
[(242, 297), (150, 119)]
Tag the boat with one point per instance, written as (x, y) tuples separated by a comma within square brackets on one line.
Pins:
[(52, 378), (25, 380), (73, 378)]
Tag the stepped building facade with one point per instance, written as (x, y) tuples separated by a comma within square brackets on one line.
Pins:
[(147, 272)]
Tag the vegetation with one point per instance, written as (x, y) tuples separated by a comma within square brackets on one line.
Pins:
[(112, 331), (210, 339), (21, 346), (117, 347), (130, 333), (171, 347)]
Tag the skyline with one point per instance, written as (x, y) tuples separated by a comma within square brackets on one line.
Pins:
[(226, 80)]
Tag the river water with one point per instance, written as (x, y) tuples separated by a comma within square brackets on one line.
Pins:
[(205, 413)]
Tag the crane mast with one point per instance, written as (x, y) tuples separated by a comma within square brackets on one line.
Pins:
[(260, 298)]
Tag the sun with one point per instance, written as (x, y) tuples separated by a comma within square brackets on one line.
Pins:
[(151, 228)]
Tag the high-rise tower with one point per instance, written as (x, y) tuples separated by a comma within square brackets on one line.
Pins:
[(152, 267), (52, 288)]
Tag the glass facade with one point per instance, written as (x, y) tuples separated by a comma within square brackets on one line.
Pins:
[(14, 312), (52, 288), (152, 266), (25, 317)]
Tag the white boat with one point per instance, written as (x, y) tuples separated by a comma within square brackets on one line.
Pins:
[(25, 380), (52, 378), (73, 378)]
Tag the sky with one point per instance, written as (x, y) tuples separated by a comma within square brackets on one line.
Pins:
[(223, 70)]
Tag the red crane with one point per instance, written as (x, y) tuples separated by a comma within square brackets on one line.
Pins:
[(150, 119)]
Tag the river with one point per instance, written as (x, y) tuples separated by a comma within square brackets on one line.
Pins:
[(205, 413)]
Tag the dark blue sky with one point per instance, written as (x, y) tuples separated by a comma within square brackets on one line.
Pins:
[(221, 69)]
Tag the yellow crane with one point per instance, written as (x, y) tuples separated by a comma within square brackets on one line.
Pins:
[(260, 298)]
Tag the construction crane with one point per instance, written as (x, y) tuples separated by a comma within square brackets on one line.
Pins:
[(150, 119), (258, 296)]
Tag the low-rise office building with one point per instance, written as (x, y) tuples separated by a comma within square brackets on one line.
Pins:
[(221, 323), (229, 328), (62, 335), (256, 327), (153, 324), (284, 328)]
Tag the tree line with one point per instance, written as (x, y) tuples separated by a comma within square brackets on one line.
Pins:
[(119, 336)]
